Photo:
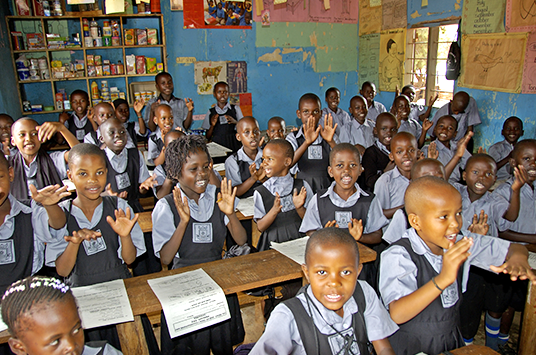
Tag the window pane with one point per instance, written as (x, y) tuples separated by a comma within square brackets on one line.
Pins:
[(421, 35), (443, 50), (448, 33)]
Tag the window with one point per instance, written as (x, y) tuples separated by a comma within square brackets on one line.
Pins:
[(426, 62)]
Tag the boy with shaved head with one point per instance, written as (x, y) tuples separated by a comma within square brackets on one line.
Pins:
[(423, 274)]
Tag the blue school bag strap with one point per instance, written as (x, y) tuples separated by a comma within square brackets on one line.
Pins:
[(315, 342)]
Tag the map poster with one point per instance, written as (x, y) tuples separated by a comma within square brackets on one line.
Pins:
[(392, 54)]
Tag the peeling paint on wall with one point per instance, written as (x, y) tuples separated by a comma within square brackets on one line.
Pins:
[(415, 14), (275, 56)]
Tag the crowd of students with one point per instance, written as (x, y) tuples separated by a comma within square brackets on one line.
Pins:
[(364, 176)]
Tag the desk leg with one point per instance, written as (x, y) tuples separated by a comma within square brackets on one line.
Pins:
[(132, 337), (527, 339)]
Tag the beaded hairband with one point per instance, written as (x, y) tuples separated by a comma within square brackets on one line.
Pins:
[(35, 283)]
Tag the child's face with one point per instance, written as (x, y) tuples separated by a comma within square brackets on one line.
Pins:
[(480, 175), (164, 84), (122, 112), (403, 152), (274, 161), (51, 329), (195, 174), (114, 136), (445, 129), (25, 137), (359, 109), (6, 177), (345, 169), (221, 93), (332, 99), (402, 108), (275, 130), (410, 93), (103, 113), (309, 108), (247, 17), (163, 118), (79, 104), (429, 169), (248, 133), (512, 131), (439, 219), (88, 174), (527, 158), (368, 92), (385, 129), (5, 127), (332, 272)]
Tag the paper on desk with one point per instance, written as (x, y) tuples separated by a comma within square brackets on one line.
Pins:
[(245, 205), (191, 301), (293, 249), (532, 260), (3, 325), (219, 167), (103, 304), (216, 150)]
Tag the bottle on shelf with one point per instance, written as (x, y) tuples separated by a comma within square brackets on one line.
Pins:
[(57, 8), (46, 7)]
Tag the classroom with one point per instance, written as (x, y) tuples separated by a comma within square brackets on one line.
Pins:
[(269, 55)]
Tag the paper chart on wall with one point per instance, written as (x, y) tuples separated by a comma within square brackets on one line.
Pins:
[(290, 11), (493, 61), (370, 18), (483, 16), (392, 54), (340, 11), (394, 14), (369, 57), (529, 69), (206, 74), (520, 15)]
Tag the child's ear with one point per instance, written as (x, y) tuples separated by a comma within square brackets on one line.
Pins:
[(238, 137), (330, 171), (69, 174), (17, 346), (512, 162), (391, 157), (414, 221), (101, 138), (288, 161), (155, 120), (298, 114), (375, 132), (306, 272), (11, 173), (464, 175)]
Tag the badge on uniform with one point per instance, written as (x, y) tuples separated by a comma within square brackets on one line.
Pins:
[(202, 232), (223, 119), (286, 203), (314, 152), (94, 246), (343, 218), (122, 180), (339, 341), (7, 252), (449, 297), (80, 134)]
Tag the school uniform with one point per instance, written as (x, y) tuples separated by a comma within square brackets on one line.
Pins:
[(375, 159), (178, 107), (470, 117), (397, 227), (374, 111), (407, 265), (527, 213), (313, 164), (22, 241), (390, 189), (224, 133), (202, 242), (94, 349), (229, 21), (354, 133), (237, 169), (243, 20), (327, 206), (446, 154), (220, 13), (340, 117), (498, 152), (126, 171), (93, 137), (282, 336), (155, 144), (160, 173), (212, 10), (415, 111), (133, 131), (46, 169), (79, 127), (286, 225), (411, 126)]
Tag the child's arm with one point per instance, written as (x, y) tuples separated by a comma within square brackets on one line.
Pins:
[(299, 201), (138, 106), (109, 192), (426, 125), (407, 307), (66, 261), (161, 159), (91, 118), (123, 226), (49, 197), (189, 117), (389, 212), (148, 184), (168, 251), (516, 264), (328, 131), (460, 150), (269, 218), (310, 134), (213, 120), (255, 175), (425, 115), (383, 347), (520, 178), (48, 129), (518, 236), (165, 189), (150, 122), (226, 199)]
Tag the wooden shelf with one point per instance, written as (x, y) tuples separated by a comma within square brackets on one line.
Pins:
[(56, 18)]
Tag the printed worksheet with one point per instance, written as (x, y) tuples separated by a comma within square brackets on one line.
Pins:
[(245, 206), (293, 249)]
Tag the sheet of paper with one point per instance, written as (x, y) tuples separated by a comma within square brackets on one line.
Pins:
[(370, 17), (245, 205), (333, 11), (217, 150), (369, 54), (520, 16), (3, 326), (392, 54), (375, 3), (219, 167), (103, 304), (191, 301), (289, 11), (529, 70), (532, 260), (483, 16), (115, 6), (293, 249), (394, 14)]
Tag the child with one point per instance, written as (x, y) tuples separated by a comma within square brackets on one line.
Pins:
[(336, 314), (512, 130), (407, 124), (78, 122), (376, 157), (276, 128), (42, 318), (134, 129), (200, 213), (163, 118), (418, 112), (312, 143), (341, 117), (463, 108), (182, 110), (127, 175), (220, 121), (280, 203), (391, 186), (344, 204), (368, 91), (101, 112), (421, 274), (6, 121), (31, 164), (358, 130), (445, 131)]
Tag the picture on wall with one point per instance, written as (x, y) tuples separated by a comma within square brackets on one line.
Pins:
[(176, 5), (217, 14), (206, 74), (392, 54), (237, 77)]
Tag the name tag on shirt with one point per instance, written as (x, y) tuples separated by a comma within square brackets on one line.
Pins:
[(339, 342), (287, 204), (7, 252), (122, 180), (314, 152), (343, 218), (80, 134), (449, 297), (223, 120), (202, 232), (94, 246)]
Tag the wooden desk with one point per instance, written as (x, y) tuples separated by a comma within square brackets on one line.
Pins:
[(527, 337), (474, 350)]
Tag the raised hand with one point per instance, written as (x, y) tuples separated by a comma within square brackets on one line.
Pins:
[(226, 197), (64, 116), (480, 224), (214, 119), (462, 144), (91, 114), (181, 204), (49, 195), (355, 227), (455, 256), (299, 198), (230, 120), (257, 174), (148, 184), (521, 177), (122, 224), (482, 150), (138, 105), (189, 104), (433, 99), (48, 129), (331, 224), (310, 132), (108, 191), (328, 131), (426, 124), (277, 203), (81, 235), (433, 153)]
